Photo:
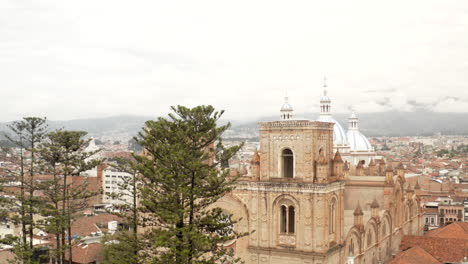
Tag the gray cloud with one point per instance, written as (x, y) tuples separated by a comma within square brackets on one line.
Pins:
[(72, 59)]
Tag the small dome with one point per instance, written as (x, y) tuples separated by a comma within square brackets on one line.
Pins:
[(286, 107), (325, 98), (339, 134)]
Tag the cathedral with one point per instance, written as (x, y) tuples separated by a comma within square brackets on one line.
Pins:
[(314, 194)]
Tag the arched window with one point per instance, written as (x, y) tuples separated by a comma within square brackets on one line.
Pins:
[(351, 248), (287, 163), (384, 229), (287, 219), (369, 238)]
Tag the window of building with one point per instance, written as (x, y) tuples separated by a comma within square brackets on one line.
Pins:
[(287, 219), (369, 238), (287, 163), (291, 220), (351, 248), (332, 217)]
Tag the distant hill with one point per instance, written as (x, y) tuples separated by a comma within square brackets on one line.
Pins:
[(395, 123), (371, 124)]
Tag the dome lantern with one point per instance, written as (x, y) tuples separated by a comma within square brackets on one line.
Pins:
[(286, 110)]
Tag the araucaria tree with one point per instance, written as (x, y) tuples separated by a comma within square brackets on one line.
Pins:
[(27, 136), (64, 156), (181, 180)]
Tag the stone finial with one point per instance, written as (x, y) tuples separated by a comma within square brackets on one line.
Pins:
[(375, 204), (358, 214), (337, 157), (409, 189), (372, 163), (358, 210), (255, 158), (417, 187)]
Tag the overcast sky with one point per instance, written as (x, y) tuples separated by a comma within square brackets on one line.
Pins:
[(96, 58)]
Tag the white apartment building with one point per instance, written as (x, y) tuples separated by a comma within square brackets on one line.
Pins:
[(113, 185)]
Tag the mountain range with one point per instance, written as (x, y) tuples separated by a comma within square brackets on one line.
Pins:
[(393, 123)]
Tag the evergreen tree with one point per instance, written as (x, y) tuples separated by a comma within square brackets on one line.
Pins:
[(64, 156), (181, 178), (27, 136)]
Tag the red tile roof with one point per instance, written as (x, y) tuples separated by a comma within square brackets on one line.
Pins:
[(85, 253), (414, 255), (455, 230), (443, 249), (85, 225)]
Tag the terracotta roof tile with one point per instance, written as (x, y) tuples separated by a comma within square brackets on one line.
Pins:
[(414, 255), (443, 249), (454, 230), (85, 225), (85, 253)]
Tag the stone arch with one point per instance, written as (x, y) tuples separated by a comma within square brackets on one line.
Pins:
[(398, 206), (235, 206), (385, 234), (386, 221), (407, 207), (353, 243), (371, 233), (290, 203)]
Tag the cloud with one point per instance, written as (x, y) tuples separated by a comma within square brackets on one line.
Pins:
[(77, 59)]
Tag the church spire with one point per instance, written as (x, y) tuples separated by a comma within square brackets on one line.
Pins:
[(286, 109), (325, 102)]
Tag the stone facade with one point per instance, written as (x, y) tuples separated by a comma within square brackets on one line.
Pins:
[(302, 204)]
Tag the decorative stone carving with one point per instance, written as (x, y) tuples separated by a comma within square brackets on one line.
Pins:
[(287, 240)]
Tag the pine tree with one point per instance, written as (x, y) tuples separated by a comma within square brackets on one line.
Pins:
[(181, 178), (64, 156), (28, 135)]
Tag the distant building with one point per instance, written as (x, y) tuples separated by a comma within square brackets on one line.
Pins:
[(113, 185)]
